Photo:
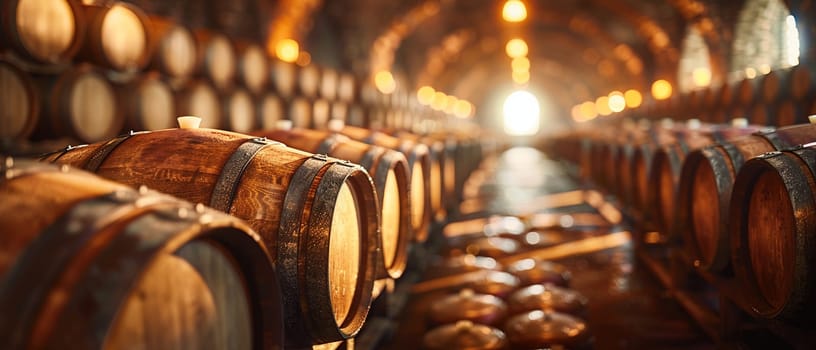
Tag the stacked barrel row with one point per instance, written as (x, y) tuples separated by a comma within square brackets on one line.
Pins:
[(779, 98), (736, 201)]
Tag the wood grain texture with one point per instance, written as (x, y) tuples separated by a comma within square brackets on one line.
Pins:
[(292, 214), (118, 267)]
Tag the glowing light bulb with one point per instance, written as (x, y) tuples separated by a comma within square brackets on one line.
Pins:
[(287, 50), (521, 77), (602, 105), (520, 64), (633, 98), (385, 82), (425, 95), (661, 89), (617, 102), (521, 114), (514, 11), (701, 77), (516, 48)]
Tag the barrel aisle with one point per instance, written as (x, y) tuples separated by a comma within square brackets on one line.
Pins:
[(524, 198)]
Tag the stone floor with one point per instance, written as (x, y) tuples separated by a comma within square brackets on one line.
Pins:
[(628, 308)]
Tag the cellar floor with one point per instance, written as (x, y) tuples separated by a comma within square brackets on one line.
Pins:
[(628, 307)]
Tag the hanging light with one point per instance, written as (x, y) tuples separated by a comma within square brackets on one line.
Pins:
[(287, 50), (514, 11), (516, 48)]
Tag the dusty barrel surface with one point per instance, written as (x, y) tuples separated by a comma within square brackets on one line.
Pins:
[(21, 108), (49, 32), (388, 169), (117, 36), (96, 264), (79, 103), (316, 215), (772, 222), (705, 190), (419, 165), (148, 103)]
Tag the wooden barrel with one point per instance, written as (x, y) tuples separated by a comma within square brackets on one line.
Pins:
[(803, 81), (321, 114), (775, 86), (642, 158), (216, 58), (174, 48), (79, 103), (271, 109), (789, 112), (239, 111), (329, 84), (419, 165), (339, 111), (388, 169), (21, 109), (148, 103), (436, 153), (300, 113), (117, 37), (284, 77), (308, 81), (317, 216), (346, 88), (664, 175), (96, 264), (705, 190), (747, 91), (199, 98), (772, 221), (253, 67), (48, 32)]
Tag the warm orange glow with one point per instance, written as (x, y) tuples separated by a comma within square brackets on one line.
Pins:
[(602, 106), (287, 50), (520, 64), (439, 101), (304, 59), (701, 77), (633, 98), (516, 48), (617, 102), (588, 111), (514, 11), (521, 77), (750, 73), (425, 95), (450, 102), (462, 109), (661, 89), (384, 82)]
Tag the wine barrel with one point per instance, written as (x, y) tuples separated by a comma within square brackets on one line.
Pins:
[(21, 109), (300, 113), (79, 103), (94, 264), (317, 216), (705, 189), (436, 153), (271, 109), (321, 114), (117, 37), (346, 88), (199, 98), (308, 81), (388, 169), (174, 48), (148, 103), (642, 157), (803, 81), (253, 67), (664, 175), (747, 91), (775, 86), (284, 77), (239, 111), (49, 32), (339, 111), (329, 84), (419, 164), (789, 112), (772, 222), (216, 58)]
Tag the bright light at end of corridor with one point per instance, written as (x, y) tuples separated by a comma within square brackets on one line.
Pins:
[(521, 114), (514, 11)]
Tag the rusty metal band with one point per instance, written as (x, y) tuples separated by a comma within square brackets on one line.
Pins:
[(102, 153), (232, 171), (373, 154), (328, 144), (773, 138), (22, 296), (288, 244)]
